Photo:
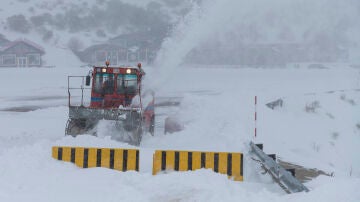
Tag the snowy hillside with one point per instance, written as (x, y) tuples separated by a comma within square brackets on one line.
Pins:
[(327, 26), (60, 25)]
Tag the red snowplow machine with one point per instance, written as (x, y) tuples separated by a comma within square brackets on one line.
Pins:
[(110, 93)]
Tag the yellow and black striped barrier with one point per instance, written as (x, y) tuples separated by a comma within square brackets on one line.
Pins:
[(117, 159), (220, 162)]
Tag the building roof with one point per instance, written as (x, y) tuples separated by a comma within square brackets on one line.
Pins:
[(104, 46), (3, 40), (139, 36), (18, 41), (149, 38)]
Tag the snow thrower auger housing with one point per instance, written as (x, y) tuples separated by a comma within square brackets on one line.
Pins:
[(115, 94)]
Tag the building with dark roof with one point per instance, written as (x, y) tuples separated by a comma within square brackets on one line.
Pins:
[(21, 53), (265, 55), (123, 49)]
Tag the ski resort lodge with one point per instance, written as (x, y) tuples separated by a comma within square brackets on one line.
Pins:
[(20, 53), (123, 49)]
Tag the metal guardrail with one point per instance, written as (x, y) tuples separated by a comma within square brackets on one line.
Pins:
[(281, 176)]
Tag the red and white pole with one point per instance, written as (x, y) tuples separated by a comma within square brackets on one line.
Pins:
[(255, 114)]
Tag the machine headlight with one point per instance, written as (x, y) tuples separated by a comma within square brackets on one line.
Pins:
[(128, 71)]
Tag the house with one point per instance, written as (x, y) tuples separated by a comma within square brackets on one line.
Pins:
[(98, 54), (266, 54), (21, 53), (124, 49)]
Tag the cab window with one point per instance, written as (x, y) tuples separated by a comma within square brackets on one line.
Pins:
[(101, 80), (126, 83)]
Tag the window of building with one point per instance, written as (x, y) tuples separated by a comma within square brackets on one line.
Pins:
[(33, 59), (143, 54), (122, 54), (9, 59), (113, 57)]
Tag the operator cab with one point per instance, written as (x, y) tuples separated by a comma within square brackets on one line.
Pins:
[(114, 86)]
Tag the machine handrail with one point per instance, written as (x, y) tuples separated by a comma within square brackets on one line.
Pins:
[(82, 88)]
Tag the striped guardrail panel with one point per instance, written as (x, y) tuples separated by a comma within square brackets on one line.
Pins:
[(117, 159), (220, 162)]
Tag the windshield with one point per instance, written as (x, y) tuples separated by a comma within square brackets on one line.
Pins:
[(104, 83), (126, 83)]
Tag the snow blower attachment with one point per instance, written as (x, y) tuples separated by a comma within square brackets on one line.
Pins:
[(115, 94), (281, 176)]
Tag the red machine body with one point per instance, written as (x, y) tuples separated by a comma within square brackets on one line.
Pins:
[(114, 86), (115, 95)]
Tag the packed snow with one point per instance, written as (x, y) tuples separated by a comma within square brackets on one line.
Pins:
[(217, 108)]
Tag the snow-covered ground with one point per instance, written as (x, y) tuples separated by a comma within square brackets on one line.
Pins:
[(217, 108), (317, 127)]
